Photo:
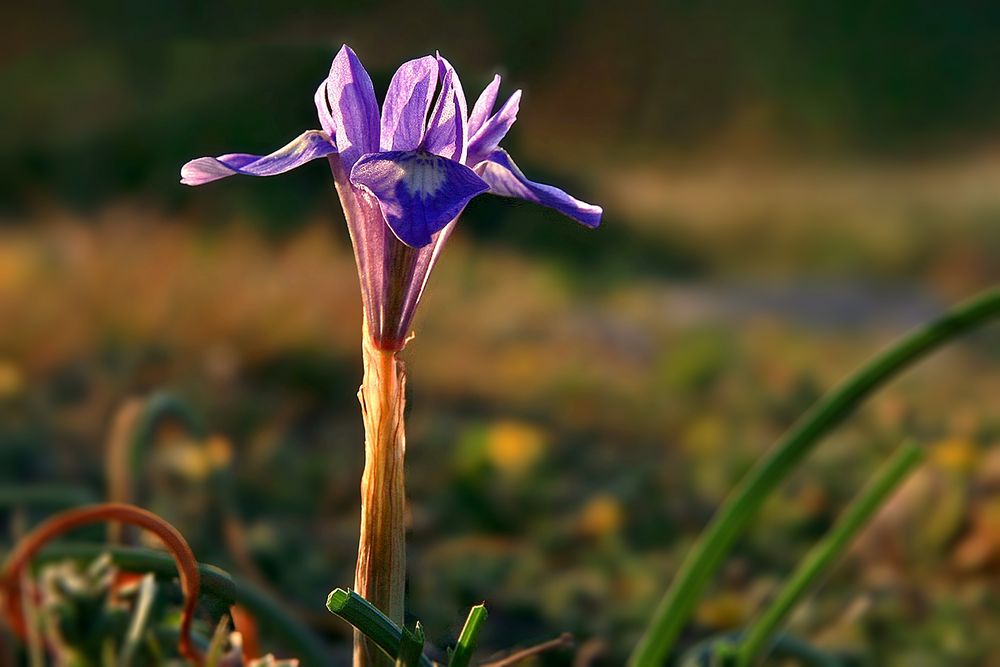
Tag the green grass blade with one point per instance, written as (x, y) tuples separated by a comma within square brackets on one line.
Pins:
[(720, 651), (709, 552), (139, 621), (375, 625), (411, 646), (829, 549), (467, 641), (216, 646)]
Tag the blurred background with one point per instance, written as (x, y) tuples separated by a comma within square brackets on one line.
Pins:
[(787, 187)]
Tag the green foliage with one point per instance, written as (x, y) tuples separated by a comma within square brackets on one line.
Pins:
[(91, 620), (403, 645), (411, 646), (824, 554), (375, 625), (462, 654), (735, 514)]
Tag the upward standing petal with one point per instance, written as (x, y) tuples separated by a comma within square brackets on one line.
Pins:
[(404, 112), (446, 129), (353, 107), (483, 107), (493, 130), (507, 180), (307, 146), (463, 108)]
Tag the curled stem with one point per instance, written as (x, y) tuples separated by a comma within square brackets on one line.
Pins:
[(32, 543), (708, 553), (133, 432), (219, 592)]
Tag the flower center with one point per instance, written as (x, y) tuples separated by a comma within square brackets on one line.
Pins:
[(421, 174)]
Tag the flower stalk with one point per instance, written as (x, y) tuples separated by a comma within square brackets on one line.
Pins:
[(381, 569)]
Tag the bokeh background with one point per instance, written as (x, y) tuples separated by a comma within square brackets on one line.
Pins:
[(787, 187)]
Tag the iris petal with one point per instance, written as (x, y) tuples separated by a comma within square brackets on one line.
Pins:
[(323, 110), (418, 192), (463, 108), (493, 130), (507, 180), (353, 107), (483, 107), (404, 112), (446, 130), (307, 146)]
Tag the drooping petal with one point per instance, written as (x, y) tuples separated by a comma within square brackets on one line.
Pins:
[(418, 192), (493, 130), (446, 128), (483, 107), (404, 112), (304, 148), (507, 180), (353, 107)]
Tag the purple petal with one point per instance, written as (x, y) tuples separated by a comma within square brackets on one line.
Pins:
[(406, 103), (463, 108), (446, 128), (492, 131), (418, 192), (323, 109), (307, 146), (484, 105), (353, 107), (507, 180)]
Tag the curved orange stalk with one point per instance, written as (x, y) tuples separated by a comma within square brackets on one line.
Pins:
[(117, 460), (124, 447), (32, 543), (246, 625)]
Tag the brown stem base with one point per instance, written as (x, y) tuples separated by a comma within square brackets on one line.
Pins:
[(381, 569)]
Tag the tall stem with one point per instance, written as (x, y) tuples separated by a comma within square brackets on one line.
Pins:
[(381, 569)]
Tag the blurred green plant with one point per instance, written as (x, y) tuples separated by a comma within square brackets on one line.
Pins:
[(708, 553), (721, 651), (827, 551), (14, 593), (218, 592)]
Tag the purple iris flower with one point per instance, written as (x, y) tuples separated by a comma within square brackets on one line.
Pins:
[(403, 176)]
